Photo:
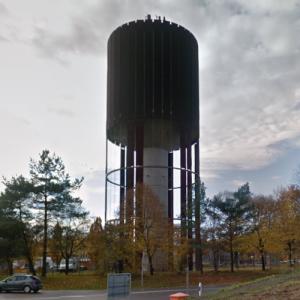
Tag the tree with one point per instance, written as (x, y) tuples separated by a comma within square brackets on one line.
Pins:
[(73, 218), (199, 209), (11, 245), (260, 237), (10, 241), (181, 249), (55, 244), (119, 252), (288, 219), (151, 225), (214, 231), (234, 211), (50, 183), (17, 197), (95, 244)]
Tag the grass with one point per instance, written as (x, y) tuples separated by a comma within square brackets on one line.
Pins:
[(159, 280), (285, 285), (91, 281)]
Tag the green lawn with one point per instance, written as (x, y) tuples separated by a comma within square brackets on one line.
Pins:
[(159, 280), (246, 284), (91, 281)]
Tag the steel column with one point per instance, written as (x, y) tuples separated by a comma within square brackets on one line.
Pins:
[(170, 186), (183, 190), (129, 174), (170, 211), (190, 206), (198, 263), (139, 147), (122, 184)]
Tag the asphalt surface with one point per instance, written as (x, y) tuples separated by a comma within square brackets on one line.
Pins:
[(157, 294)]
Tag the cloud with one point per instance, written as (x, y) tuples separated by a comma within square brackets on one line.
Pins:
[(249, 69), (3, 10), (208, 174), (5, 30), (87, 35), (238, 182), (3, 39), (92, 192), (248, 87), (62, 112)]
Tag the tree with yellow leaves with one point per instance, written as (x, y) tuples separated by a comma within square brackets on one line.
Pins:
[(95, 244), (261, 236), (151, 224), (288, 219)]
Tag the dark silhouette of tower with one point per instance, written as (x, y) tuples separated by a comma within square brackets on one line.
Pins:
[(152, 111)]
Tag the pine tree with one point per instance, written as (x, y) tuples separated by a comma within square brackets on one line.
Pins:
[(234, 210), (52, 185), (17, 198)]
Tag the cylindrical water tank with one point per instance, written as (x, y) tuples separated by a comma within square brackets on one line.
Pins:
[(153, 82)]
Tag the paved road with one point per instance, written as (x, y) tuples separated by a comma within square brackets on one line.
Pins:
[(159, 294)]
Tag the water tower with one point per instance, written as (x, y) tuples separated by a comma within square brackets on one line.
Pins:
[(153, 113)]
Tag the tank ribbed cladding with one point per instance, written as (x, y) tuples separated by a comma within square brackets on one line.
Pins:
[(153, 82)]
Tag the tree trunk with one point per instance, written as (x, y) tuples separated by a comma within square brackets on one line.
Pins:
[(45, 241), (199, 253), (216, 260), (151, 265), (201, 257), (263, 261), (237, 259), (120, 265), (290, 253), (10, 267), (67, 266), (28, 255), (231, 256), (31, 265)]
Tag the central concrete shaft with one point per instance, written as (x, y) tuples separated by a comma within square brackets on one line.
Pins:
[(157, 178)]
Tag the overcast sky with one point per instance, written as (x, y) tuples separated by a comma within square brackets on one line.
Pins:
[(53, 86)]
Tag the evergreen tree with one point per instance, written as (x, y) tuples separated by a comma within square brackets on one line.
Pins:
[(17, 199), (234, 210), (214, 231), (52, 185), (11, 245)]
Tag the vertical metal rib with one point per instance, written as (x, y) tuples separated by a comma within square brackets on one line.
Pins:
[(106, 158), (170, 211), (190, 206), (170, 186), (129, 174), (139, 139), (183, 190), (139, 146), (122, 183)]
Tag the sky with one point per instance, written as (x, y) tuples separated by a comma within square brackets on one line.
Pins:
[(53, 87)]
